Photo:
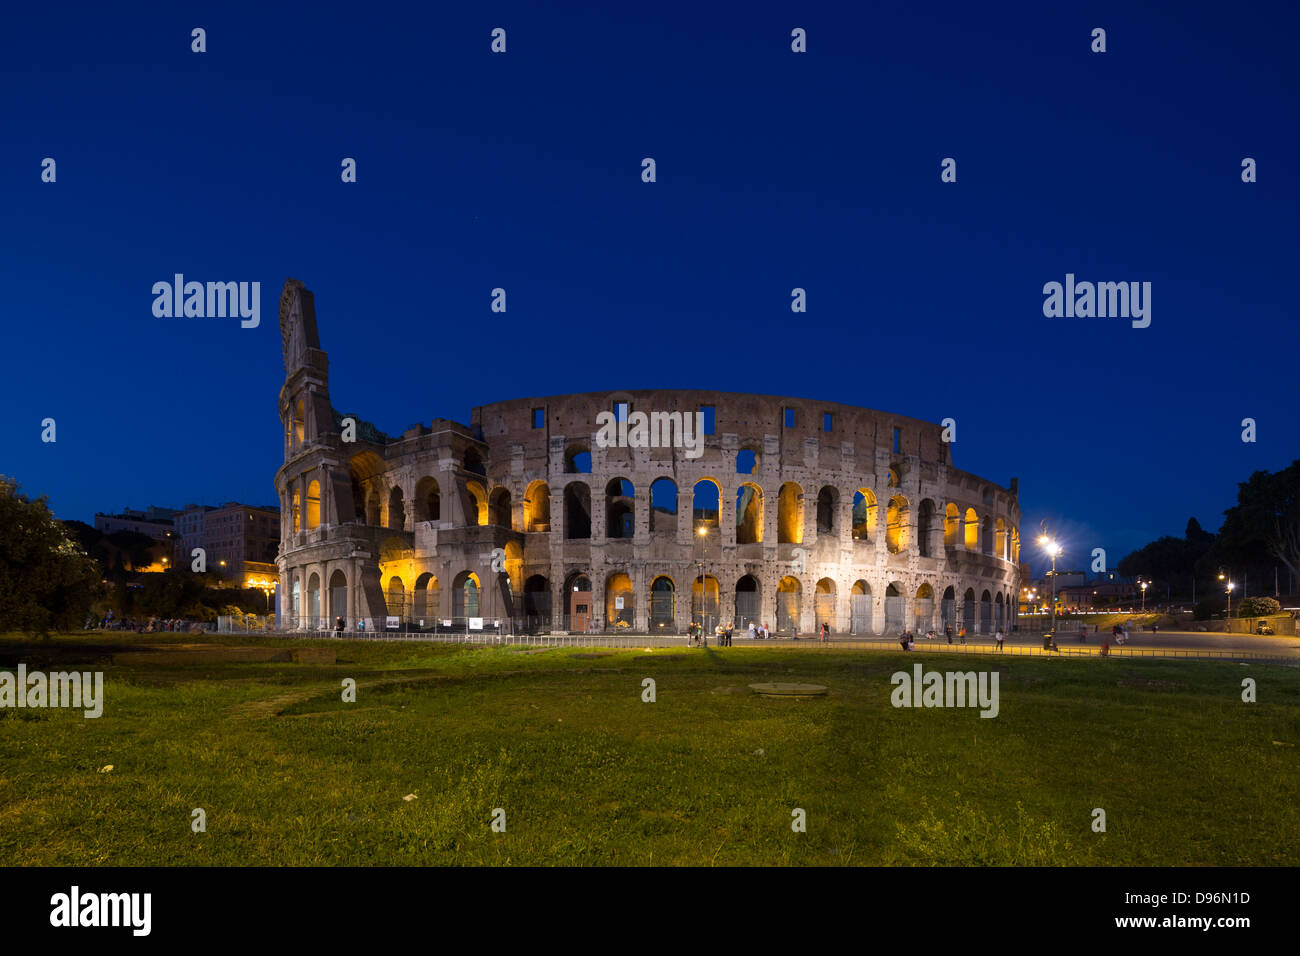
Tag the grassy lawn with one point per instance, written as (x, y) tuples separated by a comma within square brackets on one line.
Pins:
[(587, 773)]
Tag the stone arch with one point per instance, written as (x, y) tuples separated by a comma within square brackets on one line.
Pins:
[(971, 534), (895, 619), (577, 601), (297, 509), (864, 514), (749, 602), (476, 512), (663, 506), (396, 509), (951, 526), (986, 612), (577, 510), (428, 499), (620, 509), (499, 508), (473, 463), (395, 597), (619, 585), (1000, 539), (577, 459), (704, 602), (860, 609), (968, 610), (537, 507), (824, 604), (789, 514), (925, 528), (372, 507), (749, 514), (828, 508), (338, 595), (789, 599), (313, 611), (466, 596), (999, 621), (313, 504), (747, 461), (426, 601), (537, 603), (949, 611), (663, 604), (896, 525), (705, 501), (923, 609), (986, 535), (1015, 544)]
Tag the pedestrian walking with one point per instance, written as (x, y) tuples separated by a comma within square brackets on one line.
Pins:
[(961, 635), (1000, 638), (826, 632), (948, 633), (753, 631)]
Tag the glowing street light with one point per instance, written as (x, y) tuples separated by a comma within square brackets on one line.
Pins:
[(1053, 549), (703, 532), (1143, 585)]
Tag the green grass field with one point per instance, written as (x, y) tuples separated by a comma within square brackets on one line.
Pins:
[(588, 774)]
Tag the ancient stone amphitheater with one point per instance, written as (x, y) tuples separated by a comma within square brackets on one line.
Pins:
[(785, 511)]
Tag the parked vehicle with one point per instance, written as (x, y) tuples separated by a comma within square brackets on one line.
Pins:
[(1263, 628)]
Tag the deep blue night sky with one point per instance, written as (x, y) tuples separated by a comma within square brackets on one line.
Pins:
[(775, 170)]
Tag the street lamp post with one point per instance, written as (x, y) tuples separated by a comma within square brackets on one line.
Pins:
[(1054, 549), (1228, 590), (704, 534), (1143, 585)]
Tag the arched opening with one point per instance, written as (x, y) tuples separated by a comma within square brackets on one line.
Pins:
[(747, 462), (749, 602), (620, 510), (428, 500), (999, 621), (299, 424), (372, 508), (951, 526), (338, 596), (824, 604), (860, 608), (789, 514), (972, 532), (925, 528), (789, 595), (950, 609), (986, 538), (476, 501), (1000, 540), (828, 504), (499, 508), (663, 506), (663, 605), (396, 510), (465, 593), (704, 506), (986, 612), (313, 610), (924, 609), (749, 514), (537, 604), (895, 476), (864, 514), (894, 620), (295, 609), (577, 510), (577, 590), (537, 507), (1015, 544), (395, 598), (896, 518), (704, 605), (620, 602), (426, 603), (297, 510), (577, 460), (474, 463), (313, 505), (968, 610)]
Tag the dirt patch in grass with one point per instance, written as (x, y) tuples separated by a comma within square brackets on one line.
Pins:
[(1146, 683)]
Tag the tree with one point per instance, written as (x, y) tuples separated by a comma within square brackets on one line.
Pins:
[(1258, 607), (46, 581), (1264, 524)]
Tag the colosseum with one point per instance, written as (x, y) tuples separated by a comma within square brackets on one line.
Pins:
[(787, 512)]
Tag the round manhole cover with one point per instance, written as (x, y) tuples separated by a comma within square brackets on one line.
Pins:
[(789, 690)]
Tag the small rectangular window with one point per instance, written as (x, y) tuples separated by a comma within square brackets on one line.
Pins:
[(827, 420), (898, 440), (706, 412), (620, 411), (789, 418), (539, 417)]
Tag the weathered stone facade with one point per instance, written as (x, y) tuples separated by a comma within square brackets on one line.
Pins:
[(811, 511)]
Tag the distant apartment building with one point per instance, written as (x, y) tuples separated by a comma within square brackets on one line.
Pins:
[(155, 522), (242, 542)]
